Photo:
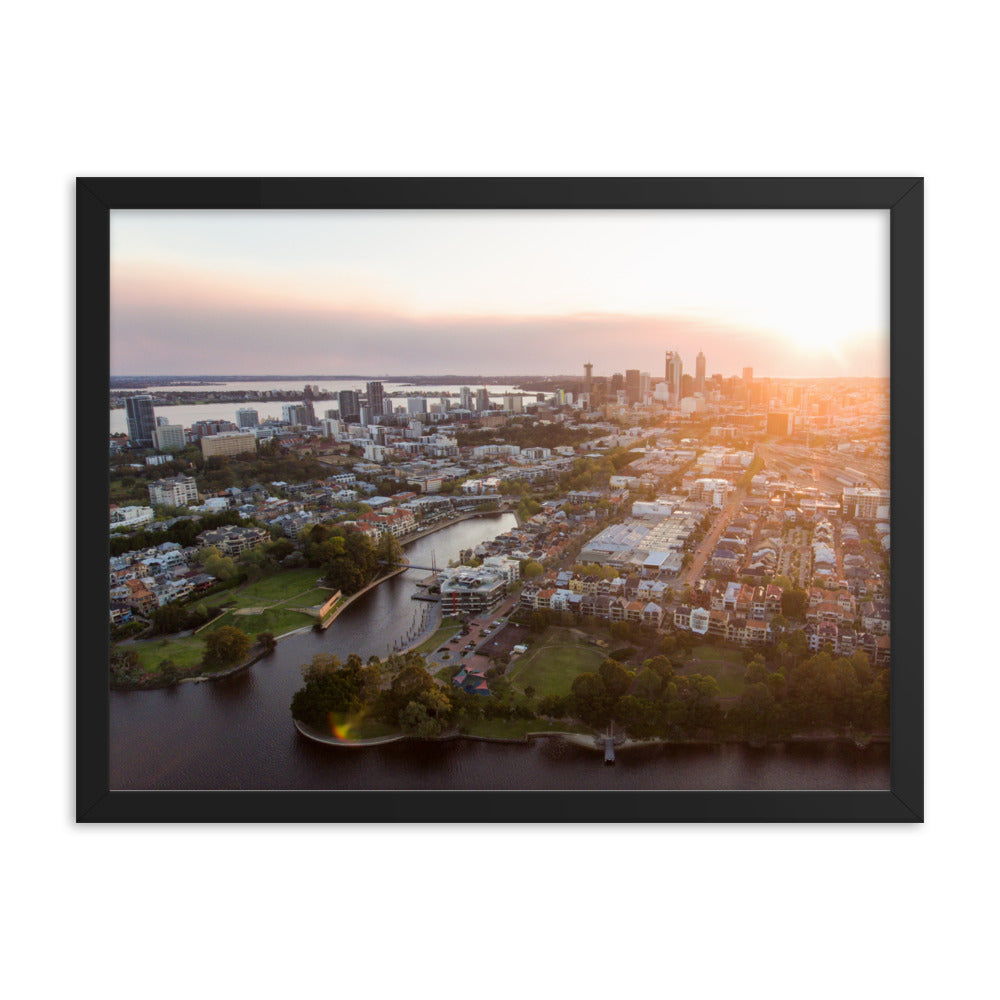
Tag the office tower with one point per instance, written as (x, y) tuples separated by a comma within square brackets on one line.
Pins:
[(245, 417), (699, 373), (645, 386), (617, 382), (365, 413), (632, 393), (588, 377), (415, 405), (168, 437), (781, 424), (350, 410), (482, 399), (466, 397), (512, 403), (674, 369), (376, 399), (687, 386), (141, 420)]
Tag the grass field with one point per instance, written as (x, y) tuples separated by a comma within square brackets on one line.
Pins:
[(288, 590), (272, 589), (448, 628), (299, 584), (725, 665), (516, 729), (312, 598), (186, 653), (277, 620), (553, 663)]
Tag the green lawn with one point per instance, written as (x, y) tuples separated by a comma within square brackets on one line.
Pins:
[(517, 729), (553, 662), (312, 598), (272, 589), (725, 665), (449, 627), (289, 589), (277, 620), (186, 653)]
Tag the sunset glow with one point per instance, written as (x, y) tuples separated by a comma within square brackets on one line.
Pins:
[(794, 293)]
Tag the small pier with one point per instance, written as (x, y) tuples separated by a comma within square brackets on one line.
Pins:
[(609, 748)]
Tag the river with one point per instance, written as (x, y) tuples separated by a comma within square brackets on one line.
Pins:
[(237, 733), (188, 413)]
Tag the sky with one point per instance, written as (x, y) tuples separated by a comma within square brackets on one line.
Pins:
[(790, 294)]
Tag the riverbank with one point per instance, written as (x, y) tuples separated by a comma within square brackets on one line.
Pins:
[(154, 683), (593, 742)]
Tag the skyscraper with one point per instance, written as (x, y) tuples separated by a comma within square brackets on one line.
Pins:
[(482, 399), (632, 392), (588, 377), (466, 397), (141, 420), (699, 373), (350, 409), (376, 399), (246, 417), (416, 405), (674, 369)]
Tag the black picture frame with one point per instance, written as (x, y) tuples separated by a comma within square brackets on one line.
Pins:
[(901, 196)]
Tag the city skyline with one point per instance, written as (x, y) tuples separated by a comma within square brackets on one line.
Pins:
[(798, 295)]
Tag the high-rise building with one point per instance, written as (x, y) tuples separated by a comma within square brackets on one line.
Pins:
[(466, 393), (699, 373), (365, 413), (632, 391), (482, 399), (645, 386), (747, 376), (781, 423), (178, 491), (141, 420), (349, 403), (617, 382), (674, 370), (512, 403), (229, 443), (415, 405), (168, 437), (245, 417), (376, 399), (588, 377)]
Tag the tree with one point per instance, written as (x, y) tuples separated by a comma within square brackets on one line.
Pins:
[(615, 678), (756, 671), (226, 645), (267, 641), (221, 567)]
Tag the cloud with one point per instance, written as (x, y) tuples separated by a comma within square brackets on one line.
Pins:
[(173, 323)]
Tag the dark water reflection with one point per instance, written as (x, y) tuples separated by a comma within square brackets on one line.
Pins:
[(237, 733)]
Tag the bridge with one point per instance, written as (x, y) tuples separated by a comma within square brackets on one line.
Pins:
[(409, 565)]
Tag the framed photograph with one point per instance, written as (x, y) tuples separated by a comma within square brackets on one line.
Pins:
[(521, 499)]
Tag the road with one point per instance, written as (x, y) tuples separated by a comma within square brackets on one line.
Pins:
[(708, 543)]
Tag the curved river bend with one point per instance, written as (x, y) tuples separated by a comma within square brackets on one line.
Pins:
[(237, 733)]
